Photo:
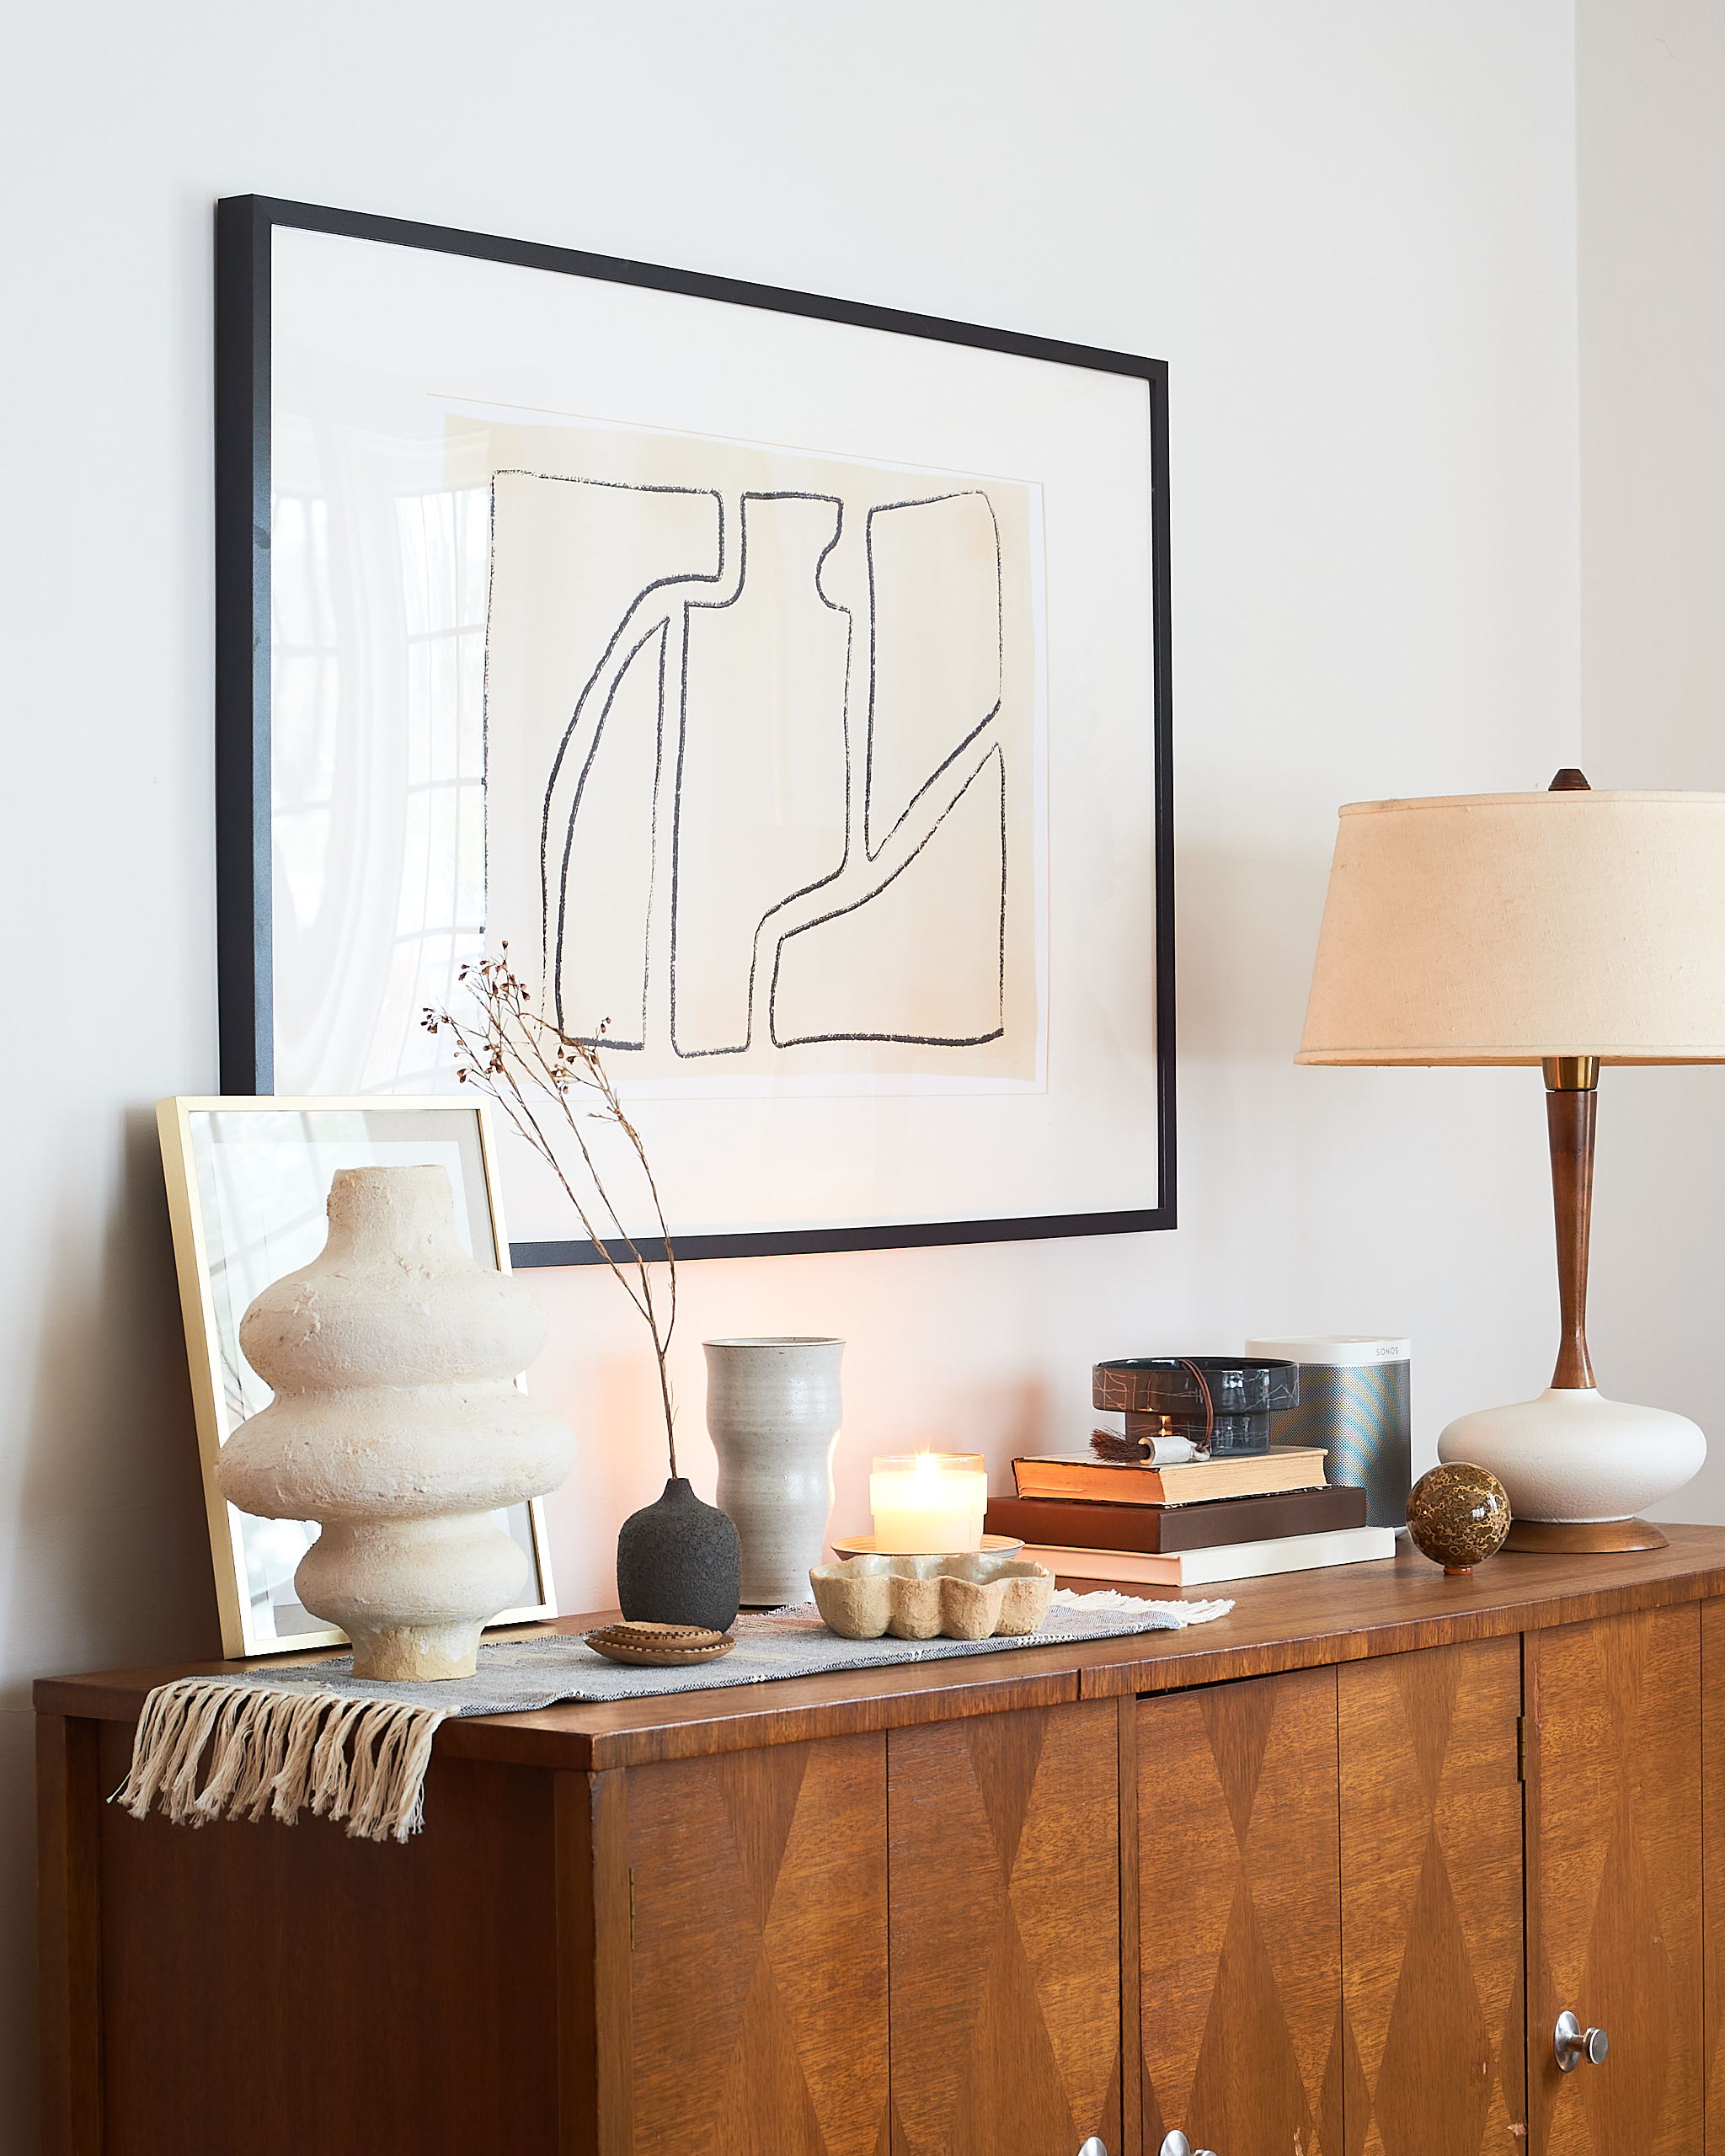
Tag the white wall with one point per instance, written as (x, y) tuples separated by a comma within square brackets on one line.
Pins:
[(1650, 95), (1349, 229)]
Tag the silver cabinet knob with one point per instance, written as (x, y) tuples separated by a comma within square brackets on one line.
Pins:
[(1176, 2144), (1095, 2146), (1578, 2046)]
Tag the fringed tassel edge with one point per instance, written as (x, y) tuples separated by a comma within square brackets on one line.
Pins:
[(272, 1752)]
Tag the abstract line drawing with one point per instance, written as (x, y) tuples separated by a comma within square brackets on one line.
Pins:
[(934, 641), (869, 984), (774, 818), (763, 709), (573, 768)]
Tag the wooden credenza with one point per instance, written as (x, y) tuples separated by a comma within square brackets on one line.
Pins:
[(1319, 1877)]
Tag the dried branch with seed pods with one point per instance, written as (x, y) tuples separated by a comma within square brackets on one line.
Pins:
[(527, 1064)]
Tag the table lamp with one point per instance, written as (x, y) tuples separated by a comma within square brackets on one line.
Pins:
[(1568, 929)]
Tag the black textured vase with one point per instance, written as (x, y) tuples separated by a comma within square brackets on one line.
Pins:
[(679, 1563)]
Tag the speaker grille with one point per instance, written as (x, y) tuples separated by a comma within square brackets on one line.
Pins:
[(1362, 1415)]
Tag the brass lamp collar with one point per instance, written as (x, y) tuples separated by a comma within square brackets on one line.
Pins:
[(1571, 1073)]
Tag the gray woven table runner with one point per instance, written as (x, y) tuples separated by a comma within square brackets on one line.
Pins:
[(274, 1738), (515, 1676)]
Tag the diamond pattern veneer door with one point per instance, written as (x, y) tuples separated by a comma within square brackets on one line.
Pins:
[(1431, 1902), (1239, 1918), (758, 1984), (1004, 1831), (1615, 1930), (1713, 1864)]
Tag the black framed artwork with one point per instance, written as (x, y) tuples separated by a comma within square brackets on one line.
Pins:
[(786, 680)]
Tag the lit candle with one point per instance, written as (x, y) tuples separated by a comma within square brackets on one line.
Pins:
[(928, 1502)]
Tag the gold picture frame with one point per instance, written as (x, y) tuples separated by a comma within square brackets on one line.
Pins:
[(246, 1180)]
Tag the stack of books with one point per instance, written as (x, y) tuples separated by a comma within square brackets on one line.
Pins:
[(1130, 1525)]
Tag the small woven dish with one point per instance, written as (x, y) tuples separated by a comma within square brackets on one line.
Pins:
[(659, 1646)]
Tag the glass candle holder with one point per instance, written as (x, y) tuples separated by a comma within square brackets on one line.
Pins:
[(928, 1503)]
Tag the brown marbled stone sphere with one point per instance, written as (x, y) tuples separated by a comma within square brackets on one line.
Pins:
[(1458, 1516)]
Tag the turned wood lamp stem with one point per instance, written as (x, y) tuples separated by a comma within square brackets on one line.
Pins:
[(1572, 1101)]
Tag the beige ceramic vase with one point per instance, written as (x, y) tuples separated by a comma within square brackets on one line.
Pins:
[(396, 1423), (773, 1414)]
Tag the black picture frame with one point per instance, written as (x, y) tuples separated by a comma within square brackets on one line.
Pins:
[(244, 229)]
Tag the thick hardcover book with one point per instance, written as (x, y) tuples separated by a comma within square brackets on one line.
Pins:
[(1236, 1560), (1080, 1524), (1194, 1482)]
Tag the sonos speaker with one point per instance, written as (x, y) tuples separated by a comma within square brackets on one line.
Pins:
[(1355, 1400)]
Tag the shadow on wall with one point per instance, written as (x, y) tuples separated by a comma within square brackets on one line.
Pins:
[(113, 1562), (1248, 926), (1012, 1415), (1655, 1275)]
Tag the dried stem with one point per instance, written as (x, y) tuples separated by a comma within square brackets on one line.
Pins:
[(516, 1055)]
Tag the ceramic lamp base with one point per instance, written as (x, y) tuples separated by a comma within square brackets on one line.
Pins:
[(1579, 1466)]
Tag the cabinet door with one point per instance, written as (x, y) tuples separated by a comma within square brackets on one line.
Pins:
[(757, 1981), (1614, 1901), (1004, 1831), (1239, 1922), (1713, 1863), (1432, 1902)]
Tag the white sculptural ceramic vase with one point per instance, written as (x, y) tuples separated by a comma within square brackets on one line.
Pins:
[(396, 1423), (773, 1413)]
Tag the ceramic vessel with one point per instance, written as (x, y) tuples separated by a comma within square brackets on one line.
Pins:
[(773, 1414), (966, 1597), (396, 1423), (678, 1562)]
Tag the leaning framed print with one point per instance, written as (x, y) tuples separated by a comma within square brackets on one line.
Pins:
[(248, 1181), (785, 680)]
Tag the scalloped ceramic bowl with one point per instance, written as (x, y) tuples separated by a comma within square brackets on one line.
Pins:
[(968, 1596)]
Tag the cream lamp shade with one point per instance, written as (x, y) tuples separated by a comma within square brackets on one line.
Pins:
[(1512, 927), (1568, 929)]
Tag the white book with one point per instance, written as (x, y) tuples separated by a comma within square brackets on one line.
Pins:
[(1233, 1560)]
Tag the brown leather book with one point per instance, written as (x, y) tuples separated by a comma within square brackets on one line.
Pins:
[(1153, 1530)]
